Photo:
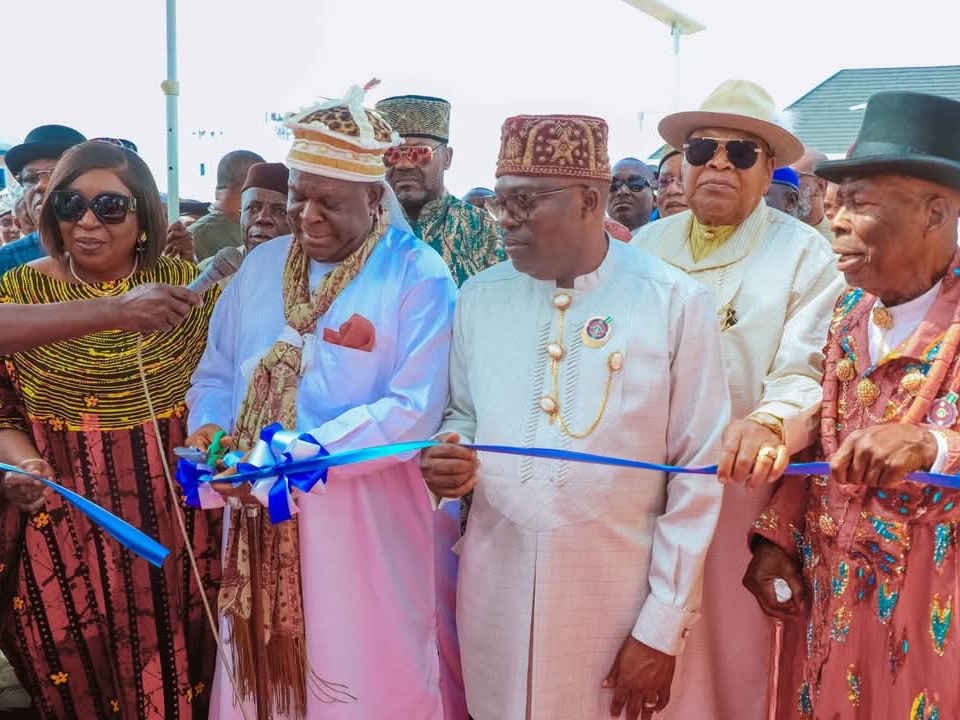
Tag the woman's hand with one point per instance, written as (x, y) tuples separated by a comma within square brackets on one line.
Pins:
[(25, 493)]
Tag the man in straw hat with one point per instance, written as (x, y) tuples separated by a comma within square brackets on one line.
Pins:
[(464, 235), (578, 583), (773, 284), (878, 594), (341, 330)]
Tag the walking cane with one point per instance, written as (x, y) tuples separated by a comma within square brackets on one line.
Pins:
[(783, 594), (252, 513)]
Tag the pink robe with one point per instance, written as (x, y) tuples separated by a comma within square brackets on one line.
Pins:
[(880, 566)]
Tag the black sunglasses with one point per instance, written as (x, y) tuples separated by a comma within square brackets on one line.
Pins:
[(110, 208), (633, 185), (742, 154)]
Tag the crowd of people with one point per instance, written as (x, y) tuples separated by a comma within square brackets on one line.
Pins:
[(744, 302)]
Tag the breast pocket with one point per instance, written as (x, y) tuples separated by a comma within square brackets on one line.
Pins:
[(346, 377)]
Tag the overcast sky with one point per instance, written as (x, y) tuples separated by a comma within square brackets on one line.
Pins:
[(97, 66)]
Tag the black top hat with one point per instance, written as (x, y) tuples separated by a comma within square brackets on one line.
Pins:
[(46, 141), (904, 133)]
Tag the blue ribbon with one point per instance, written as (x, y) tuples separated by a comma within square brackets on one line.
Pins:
[(123, 532), (281, 461)]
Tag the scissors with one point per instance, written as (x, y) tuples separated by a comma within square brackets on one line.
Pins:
[(211, 457)]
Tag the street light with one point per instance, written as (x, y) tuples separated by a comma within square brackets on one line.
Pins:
[(678, 23)]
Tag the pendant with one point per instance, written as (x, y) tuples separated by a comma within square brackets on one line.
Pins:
[(846, 370), (867, 392), (596, 331), (943, 411)]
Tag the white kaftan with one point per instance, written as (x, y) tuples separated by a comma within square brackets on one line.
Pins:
[(378, 574), (562, 561)]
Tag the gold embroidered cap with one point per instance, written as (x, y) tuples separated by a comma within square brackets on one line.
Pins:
[(341, 139), (560, 145), (418, 116)]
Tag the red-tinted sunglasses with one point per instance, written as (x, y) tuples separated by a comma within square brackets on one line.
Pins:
[(416, 155)]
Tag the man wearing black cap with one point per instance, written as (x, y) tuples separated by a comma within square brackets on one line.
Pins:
[(871, 560), (31, 163), (465, 236)]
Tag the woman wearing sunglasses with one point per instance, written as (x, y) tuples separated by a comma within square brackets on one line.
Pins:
[(93, 630)]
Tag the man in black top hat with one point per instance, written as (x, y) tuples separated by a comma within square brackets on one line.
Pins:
[(870, 559), (31, 163)]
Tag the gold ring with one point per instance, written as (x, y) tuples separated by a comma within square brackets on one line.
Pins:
[(768, 452)]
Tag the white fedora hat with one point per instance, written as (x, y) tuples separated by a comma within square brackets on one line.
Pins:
[(738, 105)]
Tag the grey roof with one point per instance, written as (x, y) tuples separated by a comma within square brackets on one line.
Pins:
[(823, 118), (828, 117)]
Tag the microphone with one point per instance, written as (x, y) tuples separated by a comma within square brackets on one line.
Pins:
[(224, 264)]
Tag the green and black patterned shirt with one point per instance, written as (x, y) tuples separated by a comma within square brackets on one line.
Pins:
[(465, 236)]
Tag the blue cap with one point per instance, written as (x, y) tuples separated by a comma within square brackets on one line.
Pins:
[(787, 176)]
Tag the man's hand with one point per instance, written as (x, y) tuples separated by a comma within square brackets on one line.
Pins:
[(640, 679), (449, 469), (179, 243), (770, 562), (25, 493), (883, 455), (152, 307), (751, 455)]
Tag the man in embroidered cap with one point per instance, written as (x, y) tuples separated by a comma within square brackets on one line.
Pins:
[(578, 583), (464, 235), (342, 331), (871, 558), (773, 285), (784, 192)]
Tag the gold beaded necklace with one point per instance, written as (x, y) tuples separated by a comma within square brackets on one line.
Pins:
[(550, 404), (112, 285)]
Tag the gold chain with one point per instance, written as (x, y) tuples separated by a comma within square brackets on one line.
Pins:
[(551, 403)]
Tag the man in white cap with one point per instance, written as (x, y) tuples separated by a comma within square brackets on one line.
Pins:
[(8, 225), (342, 331), (773, 285)]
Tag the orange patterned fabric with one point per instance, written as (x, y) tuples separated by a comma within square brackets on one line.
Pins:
[(563, 145)]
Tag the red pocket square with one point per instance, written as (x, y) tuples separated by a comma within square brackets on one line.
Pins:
[(356, 333)]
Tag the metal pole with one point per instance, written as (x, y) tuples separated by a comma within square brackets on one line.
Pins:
[(171, 88), (675, 34)]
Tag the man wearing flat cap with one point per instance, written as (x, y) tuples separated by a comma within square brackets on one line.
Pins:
[(341, 331), (578, 583), (872, 558), (465, 236), (773, 285)]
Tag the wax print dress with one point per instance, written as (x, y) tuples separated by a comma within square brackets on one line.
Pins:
[(93, 630)]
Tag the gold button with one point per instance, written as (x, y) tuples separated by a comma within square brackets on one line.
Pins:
[(616, 361), (561, 301), (548, 405), (867, 392), (555, 351)]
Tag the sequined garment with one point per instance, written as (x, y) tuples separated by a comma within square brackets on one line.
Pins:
[(92, 630), (465, 236), (881, 565)]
